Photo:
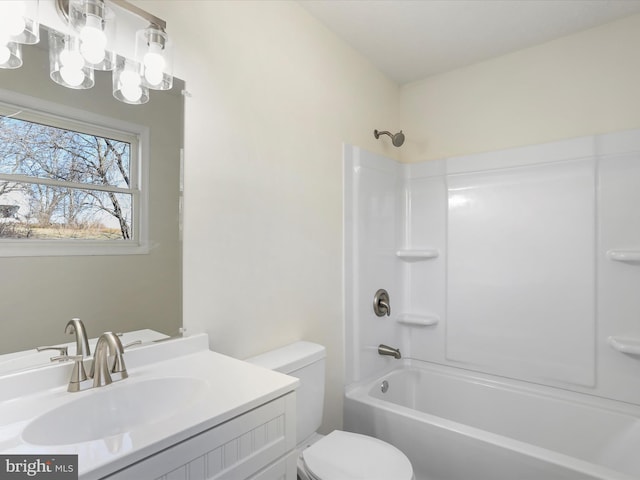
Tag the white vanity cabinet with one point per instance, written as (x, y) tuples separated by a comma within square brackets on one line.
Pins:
[(256, 445)]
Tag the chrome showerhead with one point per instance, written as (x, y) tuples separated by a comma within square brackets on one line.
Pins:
[(397, 139)]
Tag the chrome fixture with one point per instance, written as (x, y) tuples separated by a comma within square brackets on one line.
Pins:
[(86, 44), (396, 138), (78, 380), (381, 304), (108, 346), (390, 351), (384, 386), (75, 326), (62, 352)]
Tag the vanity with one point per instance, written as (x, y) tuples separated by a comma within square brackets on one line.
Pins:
[(184, 412)]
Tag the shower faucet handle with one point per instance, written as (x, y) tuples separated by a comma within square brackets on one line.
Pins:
[(381, 303)]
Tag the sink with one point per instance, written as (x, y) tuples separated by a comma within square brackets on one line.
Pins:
[(113, 410)]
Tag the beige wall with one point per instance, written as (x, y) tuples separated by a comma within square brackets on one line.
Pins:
[(274, 95), (582, 84)]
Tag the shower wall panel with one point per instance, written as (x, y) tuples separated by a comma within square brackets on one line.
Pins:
[(520, 276), (371, 192), (522, 263)]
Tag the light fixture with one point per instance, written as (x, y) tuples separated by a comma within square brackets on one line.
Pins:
[(66, 64), (18, 25), (19, 21), (10, 55), (93, 22), (154, 52), (86, 43), (128, 85)]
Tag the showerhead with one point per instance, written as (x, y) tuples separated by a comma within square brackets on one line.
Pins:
[(397, 139)]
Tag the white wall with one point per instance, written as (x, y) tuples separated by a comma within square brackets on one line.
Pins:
[(582, 84), (274, 95)]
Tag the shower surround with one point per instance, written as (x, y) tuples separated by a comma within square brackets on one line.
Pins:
[(521, 264)]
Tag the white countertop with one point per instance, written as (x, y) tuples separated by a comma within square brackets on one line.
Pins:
[(232, 387)]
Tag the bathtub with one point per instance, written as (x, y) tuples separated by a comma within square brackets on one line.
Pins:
[(460, 425)]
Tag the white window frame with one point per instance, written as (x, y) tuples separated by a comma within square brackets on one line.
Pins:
[(40, 111)]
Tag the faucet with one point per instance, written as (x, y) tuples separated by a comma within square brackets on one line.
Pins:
[(108, 346), (386, 350), (76, 326)]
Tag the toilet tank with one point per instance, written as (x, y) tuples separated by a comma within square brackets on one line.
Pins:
[(305, 361)]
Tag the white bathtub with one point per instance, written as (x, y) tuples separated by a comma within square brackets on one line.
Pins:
[(459, 425)]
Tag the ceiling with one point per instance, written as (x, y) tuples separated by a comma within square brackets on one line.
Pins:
[(410, 40)]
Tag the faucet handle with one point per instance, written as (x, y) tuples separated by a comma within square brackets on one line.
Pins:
[(131, 344), (78, 374), (61, 350)]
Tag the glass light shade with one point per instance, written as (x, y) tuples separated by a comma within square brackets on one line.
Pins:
[(66, 65), (128, 86), (19, 21), (10, 55), (155, 53), (94, 23)]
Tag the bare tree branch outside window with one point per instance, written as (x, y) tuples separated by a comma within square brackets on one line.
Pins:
[(68, 184)]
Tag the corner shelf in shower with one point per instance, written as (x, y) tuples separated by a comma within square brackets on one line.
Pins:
[(416, 320), (630, 346), (626, 256), (409, 254)]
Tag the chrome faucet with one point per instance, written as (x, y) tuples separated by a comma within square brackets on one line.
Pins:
[(108, 346), (76, 326), (387, 350)]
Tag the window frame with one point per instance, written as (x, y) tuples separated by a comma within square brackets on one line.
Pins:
[(32, 109)]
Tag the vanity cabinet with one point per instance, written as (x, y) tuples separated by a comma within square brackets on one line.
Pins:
[(256, 445)]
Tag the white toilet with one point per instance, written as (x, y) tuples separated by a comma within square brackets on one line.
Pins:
[(338, 455)]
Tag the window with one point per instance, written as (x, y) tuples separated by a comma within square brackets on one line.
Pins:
[(68, 187)]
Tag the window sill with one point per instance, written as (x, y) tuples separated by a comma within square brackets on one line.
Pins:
[(44, 248)]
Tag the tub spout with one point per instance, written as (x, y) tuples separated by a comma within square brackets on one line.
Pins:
[(387, 350)]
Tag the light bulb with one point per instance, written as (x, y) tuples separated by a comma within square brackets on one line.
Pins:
[(12, 20), (72, 76), (130, 85), (94, 40), (153, 76), (154, 58), (91, 53), (154, 64), (5, 54), (71, 59), (131, 92)]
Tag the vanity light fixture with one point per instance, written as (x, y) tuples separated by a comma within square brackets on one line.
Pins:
[(86, 44)]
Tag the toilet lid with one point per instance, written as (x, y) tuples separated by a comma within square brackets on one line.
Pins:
[(351, 456)]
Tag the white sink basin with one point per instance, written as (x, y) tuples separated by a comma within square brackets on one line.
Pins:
[(113, 410)]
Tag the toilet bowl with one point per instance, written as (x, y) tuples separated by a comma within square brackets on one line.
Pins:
[(338, 455), (351, 456)]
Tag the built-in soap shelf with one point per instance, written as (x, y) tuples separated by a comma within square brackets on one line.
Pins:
[(626, 256), (630, 346), (414, 254), (417, 320)]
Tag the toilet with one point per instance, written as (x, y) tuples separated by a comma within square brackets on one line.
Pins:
[(338, 455)]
